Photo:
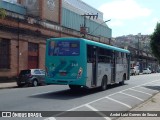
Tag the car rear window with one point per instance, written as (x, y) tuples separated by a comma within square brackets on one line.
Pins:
[(25, 72), (42, 71), (37, 72)]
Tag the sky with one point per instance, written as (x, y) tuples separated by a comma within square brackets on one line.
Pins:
[(129, 16)]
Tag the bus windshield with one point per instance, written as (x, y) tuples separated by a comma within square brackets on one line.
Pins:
[(64, 48)]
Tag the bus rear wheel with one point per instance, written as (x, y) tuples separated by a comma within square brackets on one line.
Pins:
[(123, 79), (74, 87), (104, 83)]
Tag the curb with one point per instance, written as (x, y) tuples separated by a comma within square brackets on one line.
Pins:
[(8, 85)]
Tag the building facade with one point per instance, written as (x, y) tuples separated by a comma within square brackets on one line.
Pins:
[(141, 54), (28, 23)]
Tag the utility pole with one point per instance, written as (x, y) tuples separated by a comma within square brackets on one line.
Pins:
[(83, 28), (139, 35), (138, 60)]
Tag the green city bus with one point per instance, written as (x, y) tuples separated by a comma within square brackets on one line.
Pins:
[(79, 62)]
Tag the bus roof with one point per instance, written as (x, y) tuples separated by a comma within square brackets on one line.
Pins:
[(98, 44)]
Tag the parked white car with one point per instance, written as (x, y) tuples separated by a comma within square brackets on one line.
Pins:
[(134, 70), (146, 71)]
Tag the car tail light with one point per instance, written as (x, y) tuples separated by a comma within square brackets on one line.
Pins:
[(30, 75)]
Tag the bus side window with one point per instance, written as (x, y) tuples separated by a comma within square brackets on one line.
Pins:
[(104, 55), (125, 59), (90, 54), (119, 57)]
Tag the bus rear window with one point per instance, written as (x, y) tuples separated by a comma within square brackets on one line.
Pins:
[(64, 48)]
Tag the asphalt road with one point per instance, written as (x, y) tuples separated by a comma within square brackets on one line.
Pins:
[(60, 98)]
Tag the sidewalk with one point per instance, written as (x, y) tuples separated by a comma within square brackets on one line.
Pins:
[(8, 85), (153, 104)]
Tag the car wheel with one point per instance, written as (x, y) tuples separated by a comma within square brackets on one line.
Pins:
[(35, 83)]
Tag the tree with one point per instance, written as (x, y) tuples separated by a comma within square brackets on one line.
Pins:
[(2, 13), (155, 42)]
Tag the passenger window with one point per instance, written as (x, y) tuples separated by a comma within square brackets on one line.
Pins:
[(119, 57), (104, 55)]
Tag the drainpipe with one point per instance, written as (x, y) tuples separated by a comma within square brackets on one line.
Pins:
[(18, 50), (60, 17)]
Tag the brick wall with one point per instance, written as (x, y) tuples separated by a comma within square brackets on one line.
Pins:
[(14, 58), (51, 12), (42, 50), (23, 53)]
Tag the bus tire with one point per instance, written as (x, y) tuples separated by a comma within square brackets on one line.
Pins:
[(123, 79), (74, 87), (104, 83)]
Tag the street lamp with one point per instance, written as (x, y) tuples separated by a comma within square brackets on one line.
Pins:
[(99, 26)]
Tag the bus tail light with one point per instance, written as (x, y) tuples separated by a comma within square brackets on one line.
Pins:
[(29, 75), (80, 71)]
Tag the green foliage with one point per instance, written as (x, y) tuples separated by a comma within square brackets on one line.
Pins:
[(155, 42), (2, 13)]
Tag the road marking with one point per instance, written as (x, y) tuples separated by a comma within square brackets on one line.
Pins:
[(50, 118), (118, 102), (132, 96), (103, 97), (86, 104), (149, 89), (158, 81), (42, 93), (141, 91), (154, 83), (97, 111)]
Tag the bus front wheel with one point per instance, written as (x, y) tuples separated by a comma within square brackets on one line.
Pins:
[(104, 83)]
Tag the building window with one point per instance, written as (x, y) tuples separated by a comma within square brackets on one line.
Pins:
[(32, 47), (33, 55), (4, 54)]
